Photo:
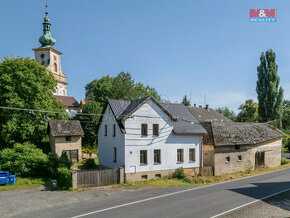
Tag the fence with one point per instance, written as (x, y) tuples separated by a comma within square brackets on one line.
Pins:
[(92, 178)]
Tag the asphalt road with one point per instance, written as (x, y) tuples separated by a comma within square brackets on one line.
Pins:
[(206, 201)]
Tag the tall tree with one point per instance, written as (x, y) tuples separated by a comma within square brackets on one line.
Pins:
[(227, 112), (90, 122), (270, 95), (249, 112), (120, 87), (185, 101), (26, 84), (286, 115)]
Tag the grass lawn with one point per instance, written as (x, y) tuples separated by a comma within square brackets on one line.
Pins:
[(200, 180), (22, 183)]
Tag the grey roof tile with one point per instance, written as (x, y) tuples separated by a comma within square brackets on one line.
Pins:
[(182, 118), (65, 128)]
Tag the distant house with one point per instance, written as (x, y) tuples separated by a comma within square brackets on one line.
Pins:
[(233, 147), (148, 138), (66, 136), (71, 104)]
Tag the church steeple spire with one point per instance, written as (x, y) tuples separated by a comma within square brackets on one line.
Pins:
[(46, 39)]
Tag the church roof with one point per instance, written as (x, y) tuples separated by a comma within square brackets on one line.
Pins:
[(68, 101)]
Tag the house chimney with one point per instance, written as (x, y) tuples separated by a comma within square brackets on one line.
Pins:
[(194, 105), (200, 106), (206, 106)]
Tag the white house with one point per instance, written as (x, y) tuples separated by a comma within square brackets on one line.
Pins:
[(149, 139)]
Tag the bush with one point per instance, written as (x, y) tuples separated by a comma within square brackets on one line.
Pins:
[(24, 160), (90, 164), (186, 180), (53, 164), (286, 143), (64, 161), (284, 161), (179, 173), (63, 178), (250, 168)]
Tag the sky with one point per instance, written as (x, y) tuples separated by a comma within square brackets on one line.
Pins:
[(207, 48)]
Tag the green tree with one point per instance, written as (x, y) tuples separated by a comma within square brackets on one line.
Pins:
[(185, 101), (249, 112), (101, 89), (90, 122), (227, 112), (286, 115), (26, 84), (270, 95), (120, 87)]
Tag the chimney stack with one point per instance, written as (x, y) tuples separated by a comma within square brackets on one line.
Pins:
[(194, 105), (206, 106), (200, 106)]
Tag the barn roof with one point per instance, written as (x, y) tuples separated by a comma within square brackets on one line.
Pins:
[(65, 128), (223, 131), (243, 133)]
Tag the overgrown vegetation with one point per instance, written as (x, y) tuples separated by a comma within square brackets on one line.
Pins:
[(90, 163), (286, 143), (26, 84), (284, 161), (63, 178), (25, 160), (200, 180)]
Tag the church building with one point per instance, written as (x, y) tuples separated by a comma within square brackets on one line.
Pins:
[(48, 56)]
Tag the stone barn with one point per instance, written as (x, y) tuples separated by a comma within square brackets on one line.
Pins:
[(66, 136), (234, 147)]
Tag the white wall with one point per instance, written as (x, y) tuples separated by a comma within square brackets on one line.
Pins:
[(50, 58), (107, 143), (167, 142)]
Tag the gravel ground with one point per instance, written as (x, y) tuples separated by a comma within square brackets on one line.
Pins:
[(277, 206), (13, 203)]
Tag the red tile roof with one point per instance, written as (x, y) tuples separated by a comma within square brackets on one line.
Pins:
[(68, 101)]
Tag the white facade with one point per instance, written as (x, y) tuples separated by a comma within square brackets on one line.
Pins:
[(50, 58), (109, 142), (132, 142)]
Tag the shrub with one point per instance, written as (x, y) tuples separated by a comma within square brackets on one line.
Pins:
[(179, 173), (90, 164), (284, 161), (250, 168), (24, 160), (64, 161), (53, 164), (286, 143), (63, 178), (186, 180)]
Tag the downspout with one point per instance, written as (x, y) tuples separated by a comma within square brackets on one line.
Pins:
[(201, 153)]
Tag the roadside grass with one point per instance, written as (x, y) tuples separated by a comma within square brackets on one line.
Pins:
[(162, 182), (199, 180), (22, 183)]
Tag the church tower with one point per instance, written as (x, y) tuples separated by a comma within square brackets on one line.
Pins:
[(47, 56)]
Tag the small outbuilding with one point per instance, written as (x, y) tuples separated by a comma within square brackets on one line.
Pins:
[(66, 136)]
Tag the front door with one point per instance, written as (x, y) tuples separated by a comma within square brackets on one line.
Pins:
[(260, 159)]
